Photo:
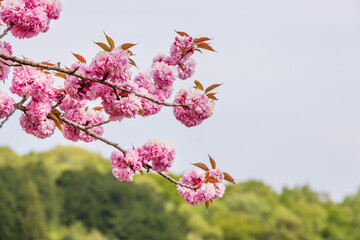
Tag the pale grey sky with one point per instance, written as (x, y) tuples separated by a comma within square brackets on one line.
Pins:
[(289, 108)]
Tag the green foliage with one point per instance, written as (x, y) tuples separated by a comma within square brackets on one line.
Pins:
[(69, 193)]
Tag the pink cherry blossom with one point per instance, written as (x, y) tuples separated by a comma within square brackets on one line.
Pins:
[(40, 129), (6, 105), (181, 49), (163, 74), (186, 70), (33, 83), (38, 109), (200, 107), (160, 153), (5, 48), (123, 173), (114, 64)]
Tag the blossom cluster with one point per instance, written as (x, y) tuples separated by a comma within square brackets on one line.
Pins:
[(206, 190), (159, 153), (29, 17)]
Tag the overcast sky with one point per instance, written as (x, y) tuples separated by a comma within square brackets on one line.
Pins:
[(289, 107)]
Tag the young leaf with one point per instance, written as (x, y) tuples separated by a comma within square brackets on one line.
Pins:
[(228, 178), (182, 33), (141, 112), (211, 96), (205, 46), (60, 74), (207, 204), (99, 108), (48, 64), (202, 39), (212, 202), (212, 87), (213, 164), (126, 46), (79, 57), (212, 180), (201, 165), (103, 46), (132, 62), (198, 50), (56, 112), (56, 121), (110, 41), (198, 85)]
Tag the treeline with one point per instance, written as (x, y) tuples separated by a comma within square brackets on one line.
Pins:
[(69, 194)]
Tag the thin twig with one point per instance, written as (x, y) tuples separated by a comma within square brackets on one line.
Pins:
[(82, 128), (6, 30), (97, 124), (83, 77), (10, 65)]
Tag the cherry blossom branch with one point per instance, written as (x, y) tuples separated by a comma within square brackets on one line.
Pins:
[(171, 179), (97, 124), (83, 77), (6, 30), (85, 130), (17, 106)]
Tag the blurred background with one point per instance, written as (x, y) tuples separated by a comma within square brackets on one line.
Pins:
[(287, 115)]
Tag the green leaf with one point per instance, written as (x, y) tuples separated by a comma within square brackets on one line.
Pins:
[(212, 87), (201, 165), (103, 46), (199, 85), (110, 41)]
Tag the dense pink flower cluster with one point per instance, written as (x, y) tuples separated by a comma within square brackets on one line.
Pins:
[(5, 48), (181, 49), (29, 17), (200, 107), (33, 83), (197, 178), (114, 64), (6, 105), (39, 128), (187, 70), (79, 89), (163, 74), (160, 153), (124, 167), (83, 117)]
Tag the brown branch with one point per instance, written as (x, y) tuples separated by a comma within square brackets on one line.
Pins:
[(6, 30), (85, 130), (10, 65), (97, 124), (83, 77)]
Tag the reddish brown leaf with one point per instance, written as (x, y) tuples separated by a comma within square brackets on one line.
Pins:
[(212, 202), (132, 62), (211, 96), (103, 46), (202, 39), (212, 180), (198, 50), (60, 74), (205, 46), (79, 57), (213, 164), (48, 64), (67, 68), (201, 165), (56, 112), (56, 121), (141, 112), (141, 172), (198, 85), (86, 108), (207, 204), (182, 33), (228, 178), (110, 41), (212, 87), (99, 108), (126, 46)]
